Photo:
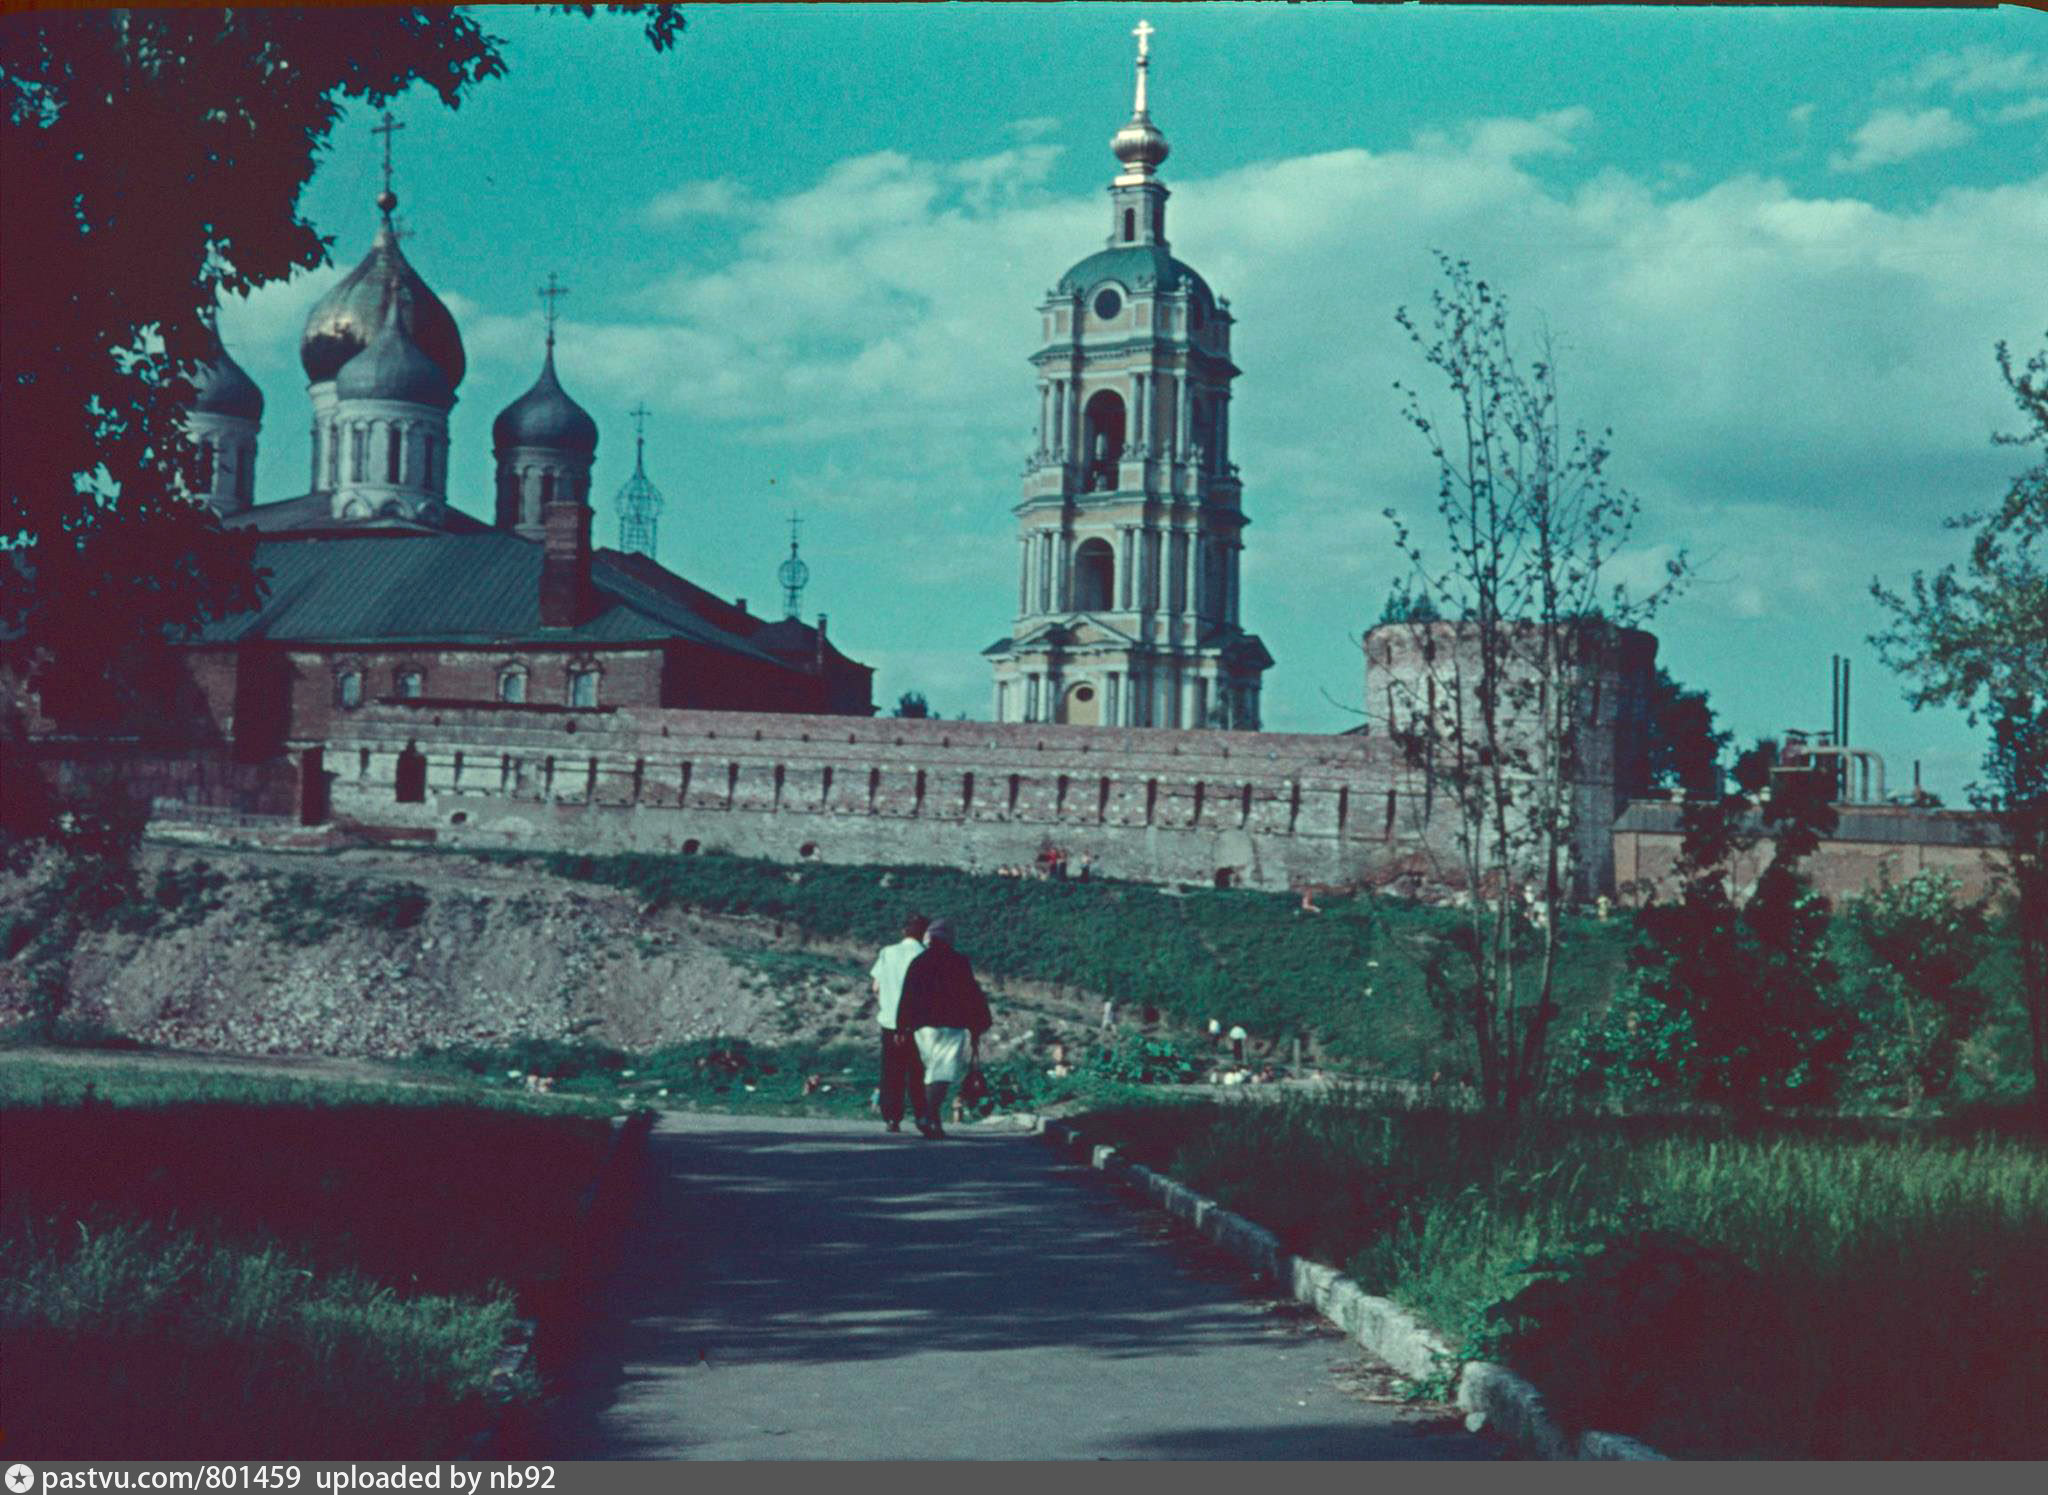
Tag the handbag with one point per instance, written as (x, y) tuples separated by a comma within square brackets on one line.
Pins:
[(974, 1087)]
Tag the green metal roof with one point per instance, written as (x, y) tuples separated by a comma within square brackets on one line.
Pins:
[(1138, 267), (457, 589)]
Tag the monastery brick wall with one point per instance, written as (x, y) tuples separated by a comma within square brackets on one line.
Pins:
[(1271, 810)]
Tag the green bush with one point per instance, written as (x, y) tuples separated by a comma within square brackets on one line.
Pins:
[(1147, 1059), (1909, 955)]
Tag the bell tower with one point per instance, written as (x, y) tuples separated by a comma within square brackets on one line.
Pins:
[(1131, 521)]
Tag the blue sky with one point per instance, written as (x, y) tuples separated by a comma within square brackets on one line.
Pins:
[(1776, 246)]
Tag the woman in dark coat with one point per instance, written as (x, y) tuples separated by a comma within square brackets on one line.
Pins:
[(946, 1005)]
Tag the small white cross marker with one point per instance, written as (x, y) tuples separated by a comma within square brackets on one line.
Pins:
[(1142, 31)]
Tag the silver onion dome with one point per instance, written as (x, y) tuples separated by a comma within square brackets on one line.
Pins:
[(545, 416), (223, 388), (393, 366)]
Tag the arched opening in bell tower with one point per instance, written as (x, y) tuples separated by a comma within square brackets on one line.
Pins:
[(1094, 572), (1104, 426)]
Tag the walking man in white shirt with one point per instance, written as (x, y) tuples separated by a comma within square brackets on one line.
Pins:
[(902, 1069)]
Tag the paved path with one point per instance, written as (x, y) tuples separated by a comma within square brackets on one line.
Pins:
[(819, 1289)]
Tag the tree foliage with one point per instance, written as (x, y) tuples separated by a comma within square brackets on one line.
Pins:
[(1976, 636), (1909, 975), (1406, 605), (1685, 750), (154, 160), (912, 704), (1528, 522), (1731, 995)]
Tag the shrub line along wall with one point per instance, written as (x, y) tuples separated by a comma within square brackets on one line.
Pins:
[(1270, 810), (1487, 1393)]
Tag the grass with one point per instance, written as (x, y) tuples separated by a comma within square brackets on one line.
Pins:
[(1810, 1291), (137, 1339), (832, 1078), (207, 1264), (1350, 977)]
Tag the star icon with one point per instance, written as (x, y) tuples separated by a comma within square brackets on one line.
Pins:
[(20, 1479)]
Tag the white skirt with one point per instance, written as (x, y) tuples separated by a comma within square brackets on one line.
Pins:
[(944, 1052)]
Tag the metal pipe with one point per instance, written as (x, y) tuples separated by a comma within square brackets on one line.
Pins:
[(1833, 699)]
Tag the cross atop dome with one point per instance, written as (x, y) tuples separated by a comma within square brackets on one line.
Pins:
[(1143, 31), (1139, 145), (550, 294), (387, 126)]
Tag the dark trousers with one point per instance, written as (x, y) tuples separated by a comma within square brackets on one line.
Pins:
[(902, 1074)]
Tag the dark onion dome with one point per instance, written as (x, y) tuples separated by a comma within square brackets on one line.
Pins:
[(342, 321), (546, 417), (222, 388), (393, 367), (1137, 267)]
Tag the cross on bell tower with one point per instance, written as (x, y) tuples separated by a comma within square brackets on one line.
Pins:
[(1131, 522)]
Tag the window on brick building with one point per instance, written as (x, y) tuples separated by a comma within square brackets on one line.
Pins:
[(411, 685), (348, 689), (512, 686), (583, 687)]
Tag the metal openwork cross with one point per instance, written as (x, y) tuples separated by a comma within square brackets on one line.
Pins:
[(387, 126), (1143, 31), (640, 412), (550, 294)]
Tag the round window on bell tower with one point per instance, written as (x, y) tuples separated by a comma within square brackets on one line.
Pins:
[(1108, 303)]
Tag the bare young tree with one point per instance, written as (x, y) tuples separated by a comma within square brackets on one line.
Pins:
[(1525, 631)]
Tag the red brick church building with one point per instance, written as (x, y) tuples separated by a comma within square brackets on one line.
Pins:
[(377, 589)]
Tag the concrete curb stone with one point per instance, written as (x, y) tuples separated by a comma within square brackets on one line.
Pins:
[(1490, 1395)]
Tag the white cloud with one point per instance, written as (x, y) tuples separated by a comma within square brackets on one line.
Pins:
[(1800, 115), (717, 198), (273, 316), (1981, 70), (1796, 382), (2012, 114), (1894, 135), (1035, 128)]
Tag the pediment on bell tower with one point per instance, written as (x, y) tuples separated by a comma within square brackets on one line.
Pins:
[(1083, 632)]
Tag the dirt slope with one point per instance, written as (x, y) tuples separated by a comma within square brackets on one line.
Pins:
[(381, 953)]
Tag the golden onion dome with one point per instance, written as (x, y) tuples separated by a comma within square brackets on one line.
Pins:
[(344, 320)]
